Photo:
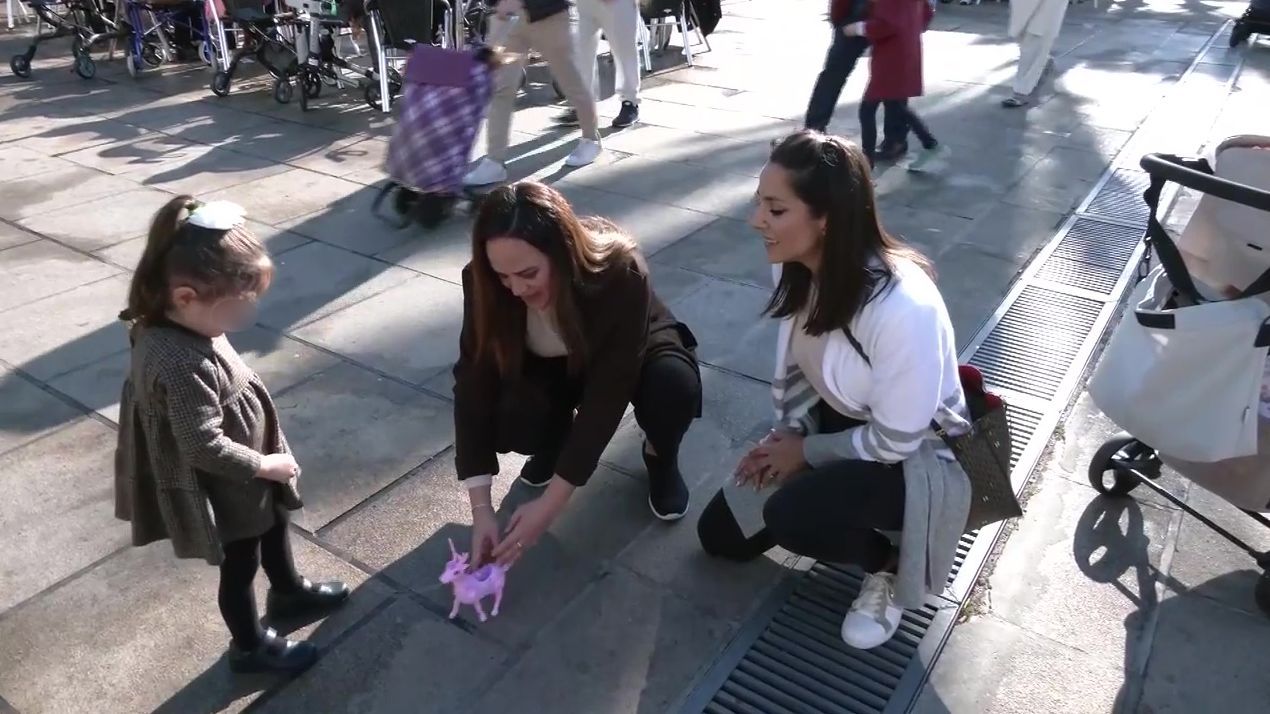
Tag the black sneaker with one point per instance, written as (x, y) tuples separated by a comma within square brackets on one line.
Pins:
[(310, 598), (667, 492), (628, 115), (568, 117), (274, 655), (538, 470)]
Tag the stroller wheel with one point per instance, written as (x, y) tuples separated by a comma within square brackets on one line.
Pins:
[(151, 55), (21, 66), (220, 84), (1119, 448), (85, 67), (312, 84), (282, 90), (1262, 593), (133, 67), (373, 95)]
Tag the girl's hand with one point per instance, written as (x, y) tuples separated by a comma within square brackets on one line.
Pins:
[(779, 458), (531, 520), (484, 535), (278, 467)]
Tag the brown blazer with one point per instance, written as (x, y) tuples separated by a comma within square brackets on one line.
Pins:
[(624, 324)]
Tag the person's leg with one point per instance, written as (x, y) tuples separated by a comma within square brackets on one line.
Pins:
[(621, 26), (551, 424), (666, 403), (869, 128), (498, 125), (920, 130), (290, 594), (276, 559), (554, 40), (236, 598), (721, 537), (588, 43), (894, 130), (840, 60), (1034, 57)]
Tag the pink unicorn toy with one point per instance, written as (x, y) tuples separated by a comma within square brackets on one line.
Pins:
[(471, 588)]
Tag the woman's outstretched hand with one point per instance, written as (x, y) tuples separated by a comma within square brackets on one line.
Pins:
[(484, 535), (531, 520)]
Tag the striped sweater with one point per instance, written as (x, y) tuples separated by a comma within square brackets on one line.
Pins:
[(905, 379)]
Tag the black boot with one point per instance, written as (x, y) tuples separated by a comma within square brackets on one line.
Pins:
[(276, 655), (667, 492), (309, 599)]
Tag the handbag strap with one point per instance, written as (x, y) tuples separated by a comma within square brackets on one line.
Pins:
[(859, 348)]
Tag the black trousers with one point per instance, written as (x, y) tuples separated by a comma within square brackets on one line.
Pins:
[(666, 401), (897, 122), (841, 59), (832, 513), (236, 598)]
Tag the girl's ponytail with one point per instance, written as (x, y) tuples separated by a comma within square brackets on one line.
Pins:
[(147, 297)]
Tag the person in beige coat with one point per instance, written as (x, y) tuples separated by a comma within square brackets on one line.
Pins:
[(1035, 25)]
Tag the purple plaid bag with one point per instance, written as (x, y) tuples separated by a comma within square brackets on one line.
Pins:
[(445, 98)]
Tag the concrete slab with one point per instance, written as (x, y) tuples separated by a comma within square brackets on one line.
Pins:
[(141, 632), (43, 268), (690, 186), (279, 197), (101, 223), (315, 280), (343, 158), (28, 412), (128, 253), (344, 461), (970, 302), (58, 509), (727, 249), (928, 231), (1012, 232), (726, 318), (1059, 181), (11, 235), (1206, 562), (20, 162), (97, 385), (89, 329), (390, 664), (175, 164), (653, 226), (56, 189), (93, 130), (352, 225), (651, 646), (410, 331)]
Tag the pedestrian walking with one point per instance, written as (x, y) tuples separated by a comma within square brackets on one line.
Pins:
[(844, 51), (618, 21), (1035, 25)]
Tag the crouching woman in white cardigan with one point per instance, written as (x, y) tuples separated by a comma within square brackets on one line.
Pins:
[(866, 363)]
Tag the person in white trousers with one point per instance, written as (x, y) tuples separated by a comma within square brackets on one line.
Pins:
[(619, 20), (1035, 25)]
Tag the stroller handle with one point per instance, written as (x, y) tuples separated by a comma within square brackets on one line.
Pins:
[(1170, 168)]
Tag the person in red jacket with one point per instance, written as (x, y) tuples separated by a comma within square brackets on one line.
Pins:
[(841, 58), (894, 29)]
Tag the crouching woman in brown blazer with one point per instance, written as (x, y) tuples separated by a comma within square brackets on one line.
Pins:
[(561, 330)]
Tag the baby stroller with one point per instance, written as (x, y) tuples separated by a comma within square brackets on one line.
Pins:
[(447, 93), (1185, 372), (262, 42), (1254, 21), (151, 43), (85, 20)]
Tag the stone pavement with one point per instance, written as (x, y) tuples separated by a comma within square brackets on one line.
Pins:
[(612, 612)]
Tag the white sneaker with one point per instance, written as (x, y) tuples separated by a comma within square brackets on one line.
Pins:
[(487, 171), (927, 157), (585, 153), (873, 618)]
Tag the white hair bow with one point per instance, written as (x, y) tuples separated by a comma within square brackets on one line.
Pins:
[(218, 215)]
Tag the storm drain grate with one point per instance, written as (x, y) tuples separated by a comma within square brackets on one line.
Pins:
[(1023, 424), (1031, 349), (1091, 256), (1120, 198)]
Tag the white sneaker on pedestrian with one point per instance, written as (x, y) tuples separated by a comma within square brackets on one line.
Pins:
[(486, 172), (585, 153), (873, 617)]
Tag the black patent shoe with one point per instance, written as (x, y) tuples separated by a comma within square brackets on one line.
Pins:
[(275, 655), (667, 492), (310, 599)]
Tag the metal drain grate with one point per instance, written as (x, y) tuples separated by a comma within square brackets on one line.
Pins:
[(1032, 347), (1023, 424), (1091, 256), (1120, 198)]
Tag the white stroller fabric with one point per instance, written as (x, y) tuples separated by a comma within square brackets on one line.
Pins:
[(1185, 380)]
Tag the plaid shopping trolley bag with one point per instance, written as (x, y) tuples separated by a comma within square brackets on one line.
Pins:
[(445, 98)]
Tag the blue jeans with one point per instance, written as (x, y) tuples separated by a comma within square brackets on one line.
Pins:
[(843, 54)]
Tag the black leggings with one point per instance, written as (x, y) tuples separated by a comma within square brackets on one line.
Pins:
[(243, 558), (832, 513), (896, 123)]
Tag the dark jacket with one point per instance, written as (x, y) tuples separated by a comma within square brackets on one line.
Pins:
[(845, 12), (543, 9), (623, 322)]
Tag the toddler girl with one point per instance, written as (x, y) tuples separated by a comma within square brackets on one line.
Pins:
[(202, 460)]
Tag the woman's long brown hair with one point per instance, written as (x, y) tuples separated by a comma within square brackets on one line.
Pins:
[(859, 258), (579, 251)]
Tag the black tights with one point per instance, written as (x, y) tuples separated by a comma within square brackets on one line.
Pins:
[(898, 120), (243, 558)]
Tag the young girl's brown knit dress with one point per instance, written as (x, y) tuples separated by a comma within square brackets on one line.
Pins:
[(194, 422)]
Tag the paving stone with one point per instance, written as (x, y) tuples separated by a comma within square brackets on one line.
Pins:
[(729, 324), (177, 165), (355, 433), (1058, 182), (70, 137), (391, 664), (277, 198), (928, 231), (98, 385), (971, 302), (292, 143), (1198, 641), (410, 331), (27, 412), (346, 158), (43, 268), (696, 188), (136, 154), (19, 162), (11, 235), (672, 284), (315, 280), (88, 329), (352, 224), (1207, 563), (58, 509), (1012, 232), (103, 222), (727, 249), (56, 189), (648, 649), (990, 666), (128, 253), (654, 226), (141, 632)]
